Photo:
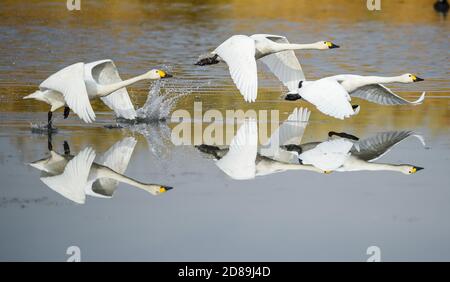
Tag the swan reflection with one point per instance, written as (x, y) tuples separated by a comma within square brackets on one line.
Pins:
[(75, 176), (245, 159), (345, 152)]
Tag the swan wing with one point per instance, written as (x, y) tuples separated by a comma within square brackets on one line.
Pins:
[(289, 132), (105, 72), (375, 147), (329, 97), (117, 159), (70, 82), (380, 94), (284, 65), (328, 155), (70, 184), (239, 53), (239, 162)]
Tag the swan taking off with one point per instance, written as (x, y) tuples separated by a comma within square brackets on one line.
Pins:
[(240, 52), (74, 86), (332, 95)]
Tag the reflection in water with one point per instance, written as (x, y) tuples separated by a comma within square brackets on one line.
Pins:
[(245, 159), (344, 152), (75, 176)]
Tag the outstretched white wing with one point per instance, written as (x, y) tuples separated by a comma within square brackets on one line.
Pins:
[(239, 162), (105, 72), (239, 53), (72, 181), (290, 132), (328, 155), (70, 82), (328, 96), (380, 94), (284, 65), (117, 159)]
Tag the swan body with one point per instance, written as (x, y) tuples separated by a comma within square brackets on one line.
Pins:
[(332, 95), (240, 53), (74, 86), (74, 177)]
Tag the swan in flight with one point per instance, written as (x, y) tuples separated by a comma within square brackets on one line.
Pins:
[(345, 152), (74, 177), (74, 86), (332, 95), (240, 53), (244, 159)]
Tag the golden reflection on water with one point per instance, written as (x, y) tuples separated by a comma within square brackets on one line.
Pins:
[(139, 34)]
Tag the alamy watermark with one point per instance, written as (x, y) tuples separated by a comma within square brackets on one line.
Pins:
[(73, 5), (74, 254), (374, 253), (374, 5)]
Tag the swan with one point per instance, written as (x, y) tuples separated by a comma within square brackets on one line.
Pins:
[(243, 159), (240, 53), (332, 95), (344, 152), (74, 86), (74, 177)]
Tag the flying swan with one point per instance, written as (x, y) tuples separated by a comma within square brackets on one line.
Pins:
[(240, 52), (74, 86), (332, 95)]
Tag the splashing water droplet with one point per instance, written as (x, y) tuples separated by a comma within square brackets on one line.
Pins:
[(159, 104)]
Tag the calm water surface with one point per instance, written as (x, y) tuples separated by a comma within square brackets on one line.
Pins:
[(294, 215)]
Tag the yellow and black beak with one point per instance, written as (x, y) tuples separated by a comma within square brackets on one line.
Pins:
[(415, 169), (416, 79), (163, 74), (331, 45), (164, 189)]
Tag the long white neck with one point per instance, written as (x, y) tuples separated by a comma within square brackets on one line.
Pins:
[(357, 165), (104, 171), (293, 46), (381, 79), (105, 90)]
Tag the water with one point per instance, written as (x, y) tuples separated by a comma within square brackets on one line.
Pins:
[(287, 216)]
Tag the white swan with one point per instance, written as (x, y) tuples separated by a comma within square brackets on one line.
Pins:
[(332, 95), (243, 159), (348, 153), (240, 52), (74, 177), (74, 86)]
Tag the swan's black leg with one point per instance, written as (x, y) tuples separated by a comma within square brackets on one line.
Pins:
[(208, 61), (343, 135), (49, 140), (292, 97), (49, 119), (66, 112), (66, 148)]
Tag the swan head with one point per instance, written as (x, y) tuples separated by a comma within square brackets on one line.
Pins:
[(409, 77), (157, 189), (157, 74), (325, 45), (410, 169)]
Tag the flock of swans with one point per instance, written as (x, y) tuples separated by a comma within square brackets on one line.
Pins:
[(73, 87)]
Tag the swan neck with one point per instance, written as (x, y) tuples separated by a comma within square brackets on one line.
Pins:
[(113, 87)]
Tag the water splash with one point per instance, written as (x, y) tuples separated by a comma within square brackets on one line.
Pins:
[(159, 104)]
